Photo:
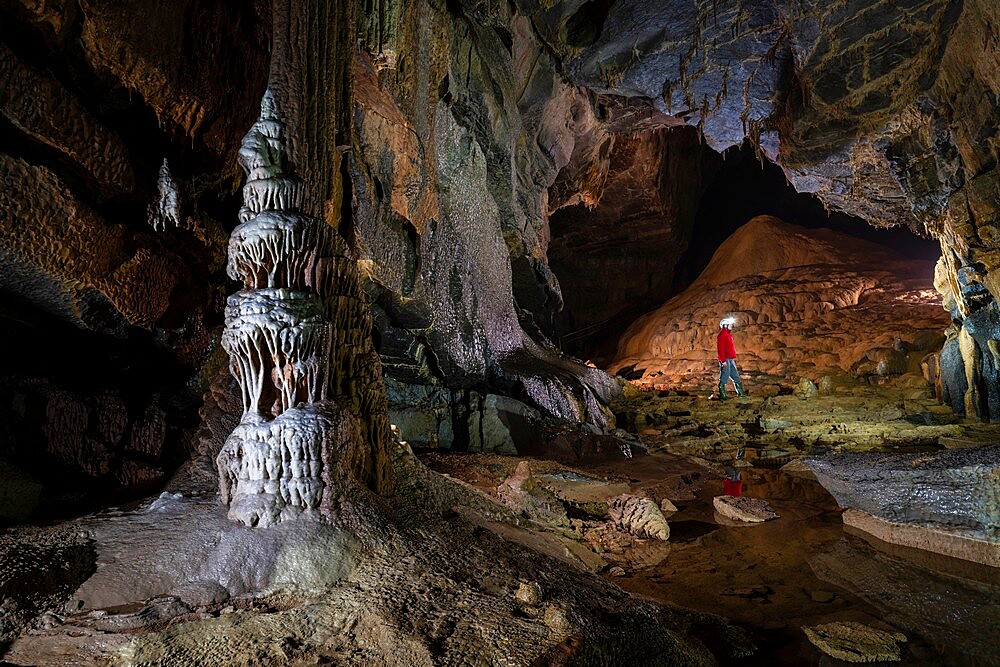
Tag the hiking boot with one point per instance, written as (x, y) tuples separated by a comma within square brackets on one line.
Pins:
[(723, 396), (740, 391), (741, 453)]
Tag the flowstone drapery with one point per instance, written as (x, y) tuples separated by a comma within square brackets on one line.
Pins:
[(300, 301)]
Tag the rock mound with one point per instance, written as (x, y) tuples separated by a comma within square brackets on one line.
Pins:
[(856, 642), (766, 244), (807, 302), (639, 516), (741, 508)]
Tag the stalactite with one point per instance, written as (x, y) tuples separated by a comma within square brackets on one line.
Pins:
[(166, 210)]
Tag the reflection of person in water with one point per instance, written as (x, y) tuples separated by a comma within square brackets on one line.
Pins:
[(732, 485)]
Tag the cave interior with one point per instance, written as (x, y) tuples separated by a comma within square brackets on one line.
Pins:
[(394, 332)]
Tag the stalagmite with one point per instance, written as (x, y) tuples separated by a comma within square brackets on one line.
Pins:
[(280, 336)]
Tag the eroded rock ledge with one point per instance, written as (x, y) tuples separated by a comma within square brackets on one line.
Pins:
[(954, 492)]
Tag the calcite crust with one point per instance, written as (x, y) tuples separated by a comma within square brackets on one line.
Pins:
[(279, 461)]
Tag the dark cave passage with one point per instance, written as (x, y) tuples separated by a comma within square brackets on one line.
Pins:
[(91, 419), (660, 220), (744, 187)]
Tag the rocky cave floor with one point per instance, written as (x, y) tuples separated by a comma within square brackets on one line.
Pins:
[(514, 560), (774, 578)]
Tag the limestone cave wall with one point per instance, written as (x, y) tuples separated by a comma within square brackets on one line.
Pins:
[(119, 124), (617, 260), (462, 123)]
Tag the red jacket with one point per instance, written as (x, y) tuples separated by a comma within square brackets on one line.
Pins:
[(727, 349)]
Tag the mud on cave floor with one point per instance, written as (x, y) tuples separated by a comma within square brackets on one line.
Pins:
[(802, 569)]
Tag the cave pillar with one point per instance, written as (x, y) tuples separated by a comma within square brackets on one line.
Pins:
[(296, 338), (970, 360)]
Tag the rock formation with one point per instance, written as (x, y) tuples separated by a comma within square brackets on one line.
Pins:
[(807, 303), (284, 334), (742, 508), (639, 516), (463, 157), (881, 111), (856, 642), (954, 489)]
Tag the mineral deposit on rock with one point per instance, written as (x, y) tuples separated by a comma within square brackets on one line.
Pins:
[(639, 516), (742, 508), (280, 333), (856, 642)]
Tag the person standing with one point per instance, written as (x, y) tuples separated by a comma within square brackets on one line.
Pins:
[(727, 359)]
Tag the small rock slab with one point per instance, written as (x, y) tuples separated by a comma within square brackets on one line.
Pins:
[(522, 493), (823, 597), (741, 508), (856, 642), (667, 507), (798, 468)]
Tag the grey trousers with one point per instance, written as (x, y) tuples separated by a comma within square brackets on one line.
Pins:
[(727, 371)]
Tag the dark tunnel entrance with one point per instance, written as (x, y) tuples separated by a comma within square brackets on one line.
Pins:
[(659, 222)]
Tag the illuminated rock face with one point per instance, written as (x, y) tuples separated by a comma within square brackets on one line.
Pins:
[(808, 303), (279, 335), (951, 490)]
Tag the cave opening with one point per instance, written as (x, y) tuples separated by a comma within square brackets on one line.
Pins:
[(660, 220)]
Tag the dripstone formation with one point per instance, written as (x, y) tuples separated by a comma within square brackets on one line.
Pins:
[(298, 305)]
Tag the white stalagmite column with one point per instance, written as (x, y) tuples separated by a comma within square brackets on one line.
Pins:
[(279, 336)]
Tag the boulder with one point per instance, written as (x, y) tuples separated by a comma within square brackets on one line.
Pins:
[(955, 487), (522, 493), (856, 642), (529, 593), (741, 508), (502, 426), (667, 507), (639, 516), (806, 389)]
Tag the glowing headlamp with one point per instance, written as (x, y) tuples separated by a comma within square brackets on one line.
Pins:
[(729, 321)]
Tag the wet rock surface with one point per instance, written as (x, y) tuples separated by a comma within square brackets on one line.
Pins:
[(779, 429), (956, 488), (954, 607), (856, 642), (536, 601), (747, 510), (713, 564), (792, 565)]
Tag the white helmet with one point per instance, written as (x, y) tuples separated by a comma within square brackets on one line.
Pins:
[(727, 322)]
